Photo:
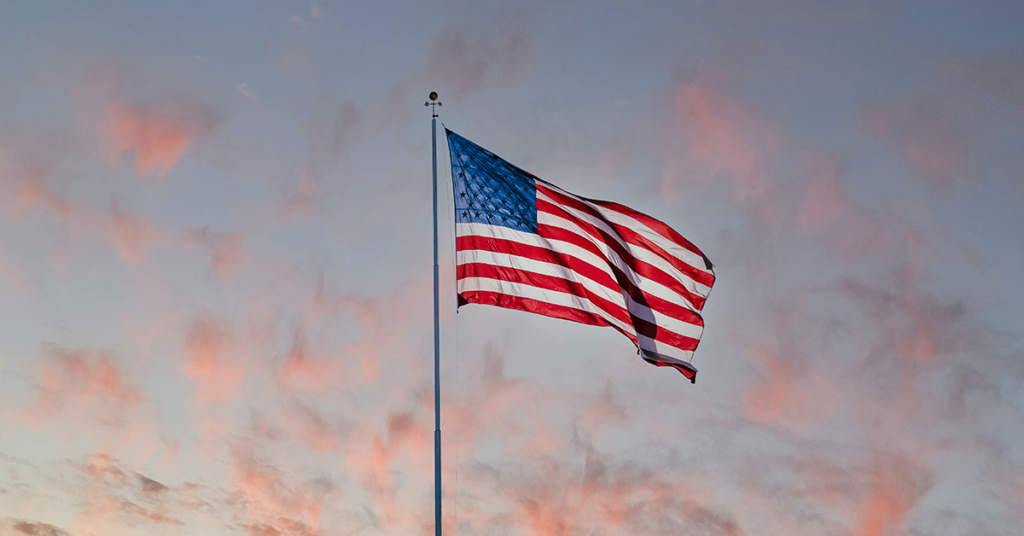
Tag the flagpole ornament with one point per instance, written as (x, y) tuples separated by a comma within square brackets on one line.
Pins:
[(432, 102)]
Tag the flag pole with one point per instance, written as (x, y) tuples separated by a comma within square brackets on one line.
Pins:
[(437, 329)]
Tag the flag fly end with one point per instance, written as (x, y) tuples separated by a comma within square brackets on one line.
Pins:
[(683, 367)]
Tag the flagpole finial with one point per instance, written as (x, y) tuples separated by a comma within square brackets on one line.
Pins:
[(432, 103)]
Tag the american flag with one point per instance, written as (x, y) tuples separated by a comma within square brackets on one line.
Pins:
[(523, 243)]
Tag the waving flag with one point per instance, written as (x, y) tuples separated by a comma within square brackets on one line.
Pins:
[(523, 243)]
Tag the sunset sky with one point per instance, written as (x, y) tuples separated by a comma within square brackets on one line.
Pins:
[(215, 268)]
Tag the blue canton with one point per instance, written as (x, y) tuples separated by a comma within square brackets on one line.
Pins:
[(489, 189)]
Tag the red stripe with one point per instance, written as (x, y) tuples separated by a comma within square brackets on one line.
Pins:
[(634, 238), (690, 373), (538, 307), (639, 267), (619, 284), (542, 281), (557, 284), (537, 253), (556, 311), (637, 239), (655, 225)]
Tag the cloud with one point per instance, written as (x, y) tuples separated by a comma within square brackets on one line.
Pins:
[(299, 423), (35, 192), (338, 137), (151, 486), (825, 204), (895, 486), (154, 516), (587, 493), (283, 528), (999, 75), (827, 211), (330, 138), (243, 89), (316, 9), (726, 138), (273, 505), (78, 385), (210, 361), (924, 134), (227, 250), (12, 277), (156, 133), (790, 392), (463, 64), (37, 529), (131, 234), (308, 371), (30, 185), (466, 63), (305, 201)]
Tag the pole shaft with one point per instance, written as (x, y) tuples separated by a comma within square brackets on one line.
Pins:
[(437, 351)]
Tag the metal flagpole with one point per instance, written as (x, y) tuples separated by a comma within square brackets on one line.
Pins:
[(437, 330)]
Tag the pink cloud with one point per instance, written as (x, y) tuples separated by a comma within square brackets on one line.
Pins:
[(726, 136), (82, 384), (30, 187), (273, 504), (307, 371), (376, 459), (463, 64), (227, 250), (103, 468), (852, 232), (210, 362), (1001, 76), (35, 192), (37, 529), (304, 202), (467, 63), (894, 491), (922, 133), (790, 393), (549, 497), (157, 134), (131, 234), (306, 426), (825, 204), (339, 136), (330, 139), (882, 490)]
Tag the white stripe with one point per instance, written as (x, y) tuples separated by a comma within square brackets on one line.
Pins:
[(683, 357), (690, 258), (540, 267), (486, 284), (665, 349), (619, 299), (638, 252), (648, 287), (553, 244)]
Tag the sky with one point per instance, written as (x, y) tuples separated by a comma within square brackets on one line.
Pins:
[(215, 268)]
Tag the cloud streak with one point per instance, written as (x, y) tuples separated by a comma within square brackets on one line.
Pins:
[(156, 134)]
